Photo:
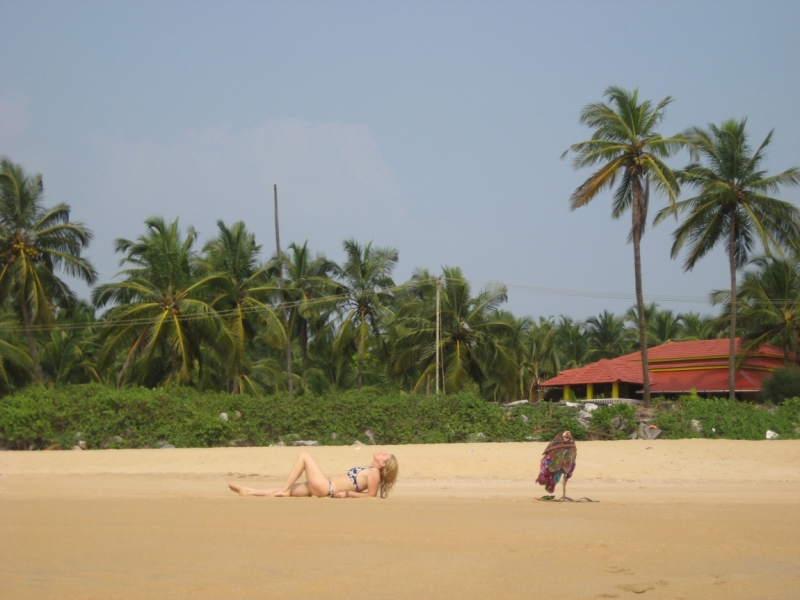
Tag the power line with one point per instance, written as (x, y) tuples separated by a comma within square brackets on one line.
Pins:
[(223, 314)]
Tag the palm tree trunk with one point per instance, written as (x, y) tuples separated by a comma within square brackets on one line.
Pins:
[(732, 357), (174, 377), (636, 232), (37, 365), (304, 349), (362, 335)]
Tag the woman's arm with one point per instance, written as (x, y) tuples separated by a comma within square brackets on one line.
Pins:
[(354, 494)]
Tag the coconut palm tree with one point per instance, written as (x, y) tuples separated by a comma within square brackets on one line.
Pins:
[(696, 326), (69, 355), (608, 336), (733, 205), (365, 282), (162, 315), (768, 303), (307, 286), (540, 359), (632, 316), (35, 242), (16, 366), (572, 342), (473, 339), (664, 327), (242, 295), (626, 146)]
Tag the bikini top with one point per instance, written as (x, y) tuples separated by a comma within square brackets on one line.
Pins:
[(353, 475)]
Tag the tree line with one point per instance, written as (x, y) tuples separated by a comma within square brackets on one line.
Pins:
[(223, 318)]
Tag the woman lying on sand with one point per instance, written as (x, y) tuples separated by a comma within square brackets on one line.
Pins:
[(359, 482)]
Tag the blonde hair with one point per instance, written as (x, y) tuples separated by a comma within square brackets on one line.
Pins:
[(388, 476)]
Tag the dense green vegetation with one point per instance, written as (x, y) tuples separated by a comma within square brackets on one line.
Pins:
[(105, 417), (729, 419), (186, 418), (224, 318)]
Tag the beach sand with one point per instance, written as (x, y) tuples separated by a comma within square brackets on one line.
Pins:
[(675, 519)]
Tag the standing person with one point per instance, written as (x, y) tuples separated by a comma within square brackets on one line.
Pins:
[(558, 463), (359, 482)]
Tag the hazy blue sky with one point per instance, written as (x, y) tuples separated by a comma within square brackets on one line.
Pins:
[(434, 127)]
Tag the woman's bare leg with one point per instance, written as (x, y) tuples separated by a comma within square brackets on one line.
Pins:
[(298, 489), (316, 481), (248, 491)]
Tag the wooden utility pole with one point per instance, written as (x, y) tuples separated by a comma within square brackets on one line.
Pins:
[(290, 381), (438, 334)]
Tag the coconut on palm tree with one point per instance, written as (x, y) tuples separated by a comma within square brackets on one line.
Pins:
[(627, 148), (733, 205), (35, 242)]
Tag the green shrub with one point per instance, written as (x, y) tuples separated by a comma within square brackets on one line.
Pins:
[(184, 417), (144, 417), (613, 422), (723, 418), (782, 384)]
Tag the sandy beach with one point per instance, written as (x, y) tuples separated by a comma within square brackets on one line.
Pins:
[(673, 519)]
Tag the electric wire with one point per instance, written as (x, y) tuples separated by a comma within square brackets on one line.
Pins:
[(490, 286)]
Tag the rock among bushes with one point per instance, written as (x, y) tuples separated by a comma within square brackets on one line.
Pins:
[(648, 432)]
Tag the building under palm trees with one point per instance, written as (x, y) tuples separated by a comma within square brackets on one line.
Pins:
[(675, 368)]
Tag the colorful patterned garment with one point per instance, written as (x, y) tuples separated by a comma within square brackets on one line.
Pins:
[(558, 460)]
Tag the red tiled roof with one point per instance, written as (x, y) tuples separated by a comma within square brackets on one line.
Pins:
[(710, 380), (679, 367), (699, 349), (603, 371)]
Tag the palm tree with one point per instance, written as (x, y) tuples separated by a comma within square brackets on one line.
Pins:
[(35, 242), (732, 206), (632, 316), (572, 342), (664, 327), (608, 336), (695, 326), (768, 303), (16, 366), (69, 355), (366, 279), (162, 315), (243, 291), (307, 283), (626, 146), (541, 359), (473, 334)]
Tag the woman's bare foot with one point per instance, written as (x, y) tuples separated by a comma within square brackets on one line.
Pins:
[(239, 489), (282, 493)]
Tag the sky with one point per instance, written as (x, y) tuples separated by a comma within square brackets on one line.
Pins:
[(436, 128)]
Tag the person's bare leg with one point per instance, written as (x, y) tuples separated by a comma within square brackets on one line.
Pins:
[(298, 489), (317, 482), (247, 491)]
